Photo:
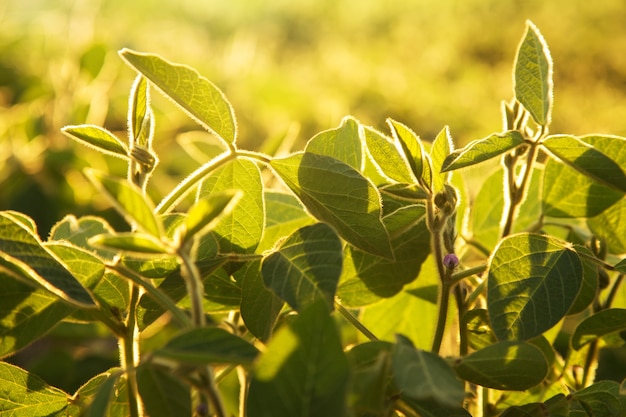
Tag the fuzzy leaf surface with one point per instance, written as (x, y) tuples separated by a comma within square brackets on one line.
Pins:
[(481, 150), (342, 143), (533, 281), (194, 94), (533, 76), (98, 138), (411, 146), (337, 194), (387, 156), (305, 268)]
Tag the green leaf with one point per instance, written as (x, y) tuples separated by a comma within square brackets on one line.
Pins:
[(589, 287), (601, 399), (510, 366), (23, 257), (304, 370), (140, 118), (99, 393), (587, 160), (366, 278), (621, 266), (532, 283), (260, 307), (129, 201), (98, 138), (25, 395), (196, 95), (135, 243), (342, 143), (206, 214), (610, 226), (533, 75), (163, 394), (285, 215), (337, 194), (441, 148), (600, 324), (424, 376), (305, 268), (481, 150), (480, 335), (411, 146), (387, 156), (241, 228), (79, 230), (208, 345)]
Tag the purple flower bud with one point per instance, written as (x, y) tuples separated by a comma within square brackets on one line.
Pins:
[(450, 261)]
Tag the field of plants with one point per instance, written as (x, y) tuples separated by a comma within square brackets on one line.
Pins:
[(301, 208)]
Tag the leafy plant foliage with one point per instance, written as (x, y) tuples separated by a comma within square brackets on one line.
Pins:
[(355, 277)]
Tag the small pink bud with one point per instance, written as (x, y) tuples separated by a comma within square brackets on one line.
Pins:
[(450, 261)]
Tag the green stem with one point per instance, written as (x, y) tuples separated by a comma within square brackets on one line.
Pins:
[(590, 360), (195, 288), (130, 354), (461, 275), (442, 315), (354, 321), (461, 308), (517, 193)]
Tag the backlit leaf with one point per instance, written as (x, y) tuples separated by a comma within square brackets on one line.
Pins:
[(337, 194), (135, 243), (439, 151), (128, 200), (587, 160), (207, 212), (610, 226), (342, 143), (305, 268), (284, 214), (482, 150), (532, 283), (140, 119), (533, 75), (504, 366), (602, 323), (304, 371), (387, 156), (98, 138), (163, 394), (25, 395), (196, 95), (79, 230), (411, 146)]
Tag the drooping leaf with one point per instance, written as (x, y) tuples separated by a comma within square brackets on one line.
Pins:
[(532, 283), (342, 143), (304, 370), (240, 230), (140, 119), (196, 95), (533, 75), (162, 393), (600, 324), (23, 256), (25, 395), (259, 307), (587, 160), (208, 345), (511, 366), (387, 156), (206, 213), (135, 243), (305, 268), (424, 376), (337, 194), (411, 146), (441, 148), (482, 150), (98, 138), (129, 201), (366, 278)]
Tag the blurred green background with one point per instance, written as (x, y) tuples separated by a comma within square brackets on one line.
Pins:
[(288, 67)]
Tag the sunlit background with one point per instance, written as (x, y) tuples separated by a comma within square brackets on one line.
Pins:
[(289, 68)]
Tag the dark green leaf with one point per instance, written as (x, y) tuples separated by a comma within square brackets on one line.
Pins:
[(621, 266), (601, 399), (305, 268), (25, 395), (23, 256), (589, 287), (411, 146), (387, 157), (342, 143), (479, 332), (424, 376), (600, 324), (98, 138), (304, 371), (533, 75), (163, 394), (532, 283), (337, 194), (208, 345), (135, 243), (196, 95), (129, 201), (482, 150), (505, 366), (587, 160)]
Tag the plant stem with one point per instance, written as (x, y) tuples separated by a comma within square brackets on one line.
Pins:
[(130, 354), (442, 316), (354, 321), (195, 287), (517, 193)]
